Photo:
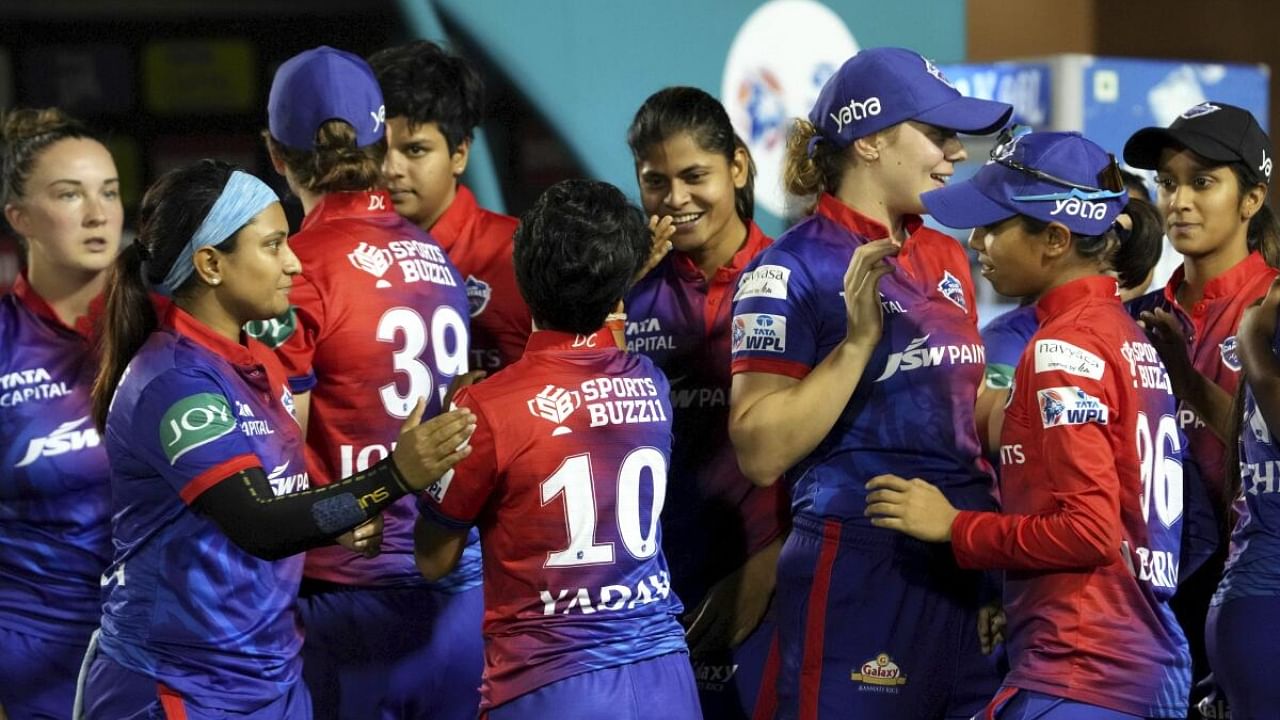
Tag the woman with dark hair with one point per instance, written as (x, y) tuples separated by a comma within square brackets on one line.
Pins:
[(857, 354), (380, 319), (61, 196), (1213, 172), (210, 491), (721, 535), (1091, 481)]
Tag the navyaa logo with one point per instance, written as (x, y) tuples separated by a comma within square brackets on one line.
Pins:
[(194, 421)]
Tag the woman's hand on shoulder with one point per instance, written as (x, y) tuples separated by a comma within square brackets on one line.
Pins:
[(427, 450)]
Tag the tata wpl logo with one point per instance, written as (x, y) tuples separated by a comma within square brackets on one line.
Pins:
[(373, 260), (555, 404)]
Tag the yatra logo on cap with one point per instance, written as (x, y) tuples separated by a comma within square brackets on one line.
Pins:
[(881, 670), (952, 290), (556, 405), (1199, 111), (777, 63), (373, 260), (194, 421), (1230, 353), (1070, 406), (379, 117), (1077, 207), (478, 293), (855, 111)]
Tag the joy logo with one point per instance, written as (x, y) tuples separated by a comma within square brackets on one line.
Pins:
[(194, 421), (855, 111), (1265, 167), (379, 117), (1080, 208)]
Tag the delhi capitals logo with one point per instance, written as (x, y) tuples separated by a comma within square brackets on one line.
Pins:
[(286, 401), (1200, 110), (762, 96), (739, 336), (952, 290), (1051, 407), (478, 294), (934, 71), (1230, 353)]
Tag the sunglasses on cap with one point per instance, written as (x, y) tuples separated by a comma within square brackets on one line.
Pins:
[(1110, 181)]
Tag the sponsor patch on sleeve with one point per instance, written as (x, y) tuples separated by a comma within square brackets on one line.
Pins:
[(759, 332), (194, 421), (1231, 354), (1070, 406), (766, 281), (1059, 356)]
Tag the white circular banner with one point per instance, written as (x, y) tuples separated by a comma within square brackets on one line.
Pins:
[(778, 62)]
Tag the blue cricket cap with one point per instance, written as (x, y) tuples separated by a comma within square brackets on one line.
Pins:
[(881, 87), (1050, 176), (319, 85)]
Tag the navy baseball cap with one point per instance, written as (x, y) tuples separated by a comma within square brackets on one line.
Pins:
[(1050, 176), (1215, 131), (319, 85), (881, 87)]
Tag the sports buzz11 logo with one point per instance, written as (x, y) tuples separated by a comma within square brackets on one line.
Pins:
[(555, 404), (194, 421)]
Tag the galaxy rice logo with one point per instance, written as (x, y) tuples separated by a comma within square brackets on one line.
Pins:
[(373, 260), (1200, 111), (555, 404), (952, 290), (881, 671), (478, 293)]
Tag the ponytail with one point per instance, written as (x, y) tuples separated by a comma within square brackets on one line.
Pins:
[(1138, 249), (1264, 235), (809, 175), (335, 164), (129, 319)]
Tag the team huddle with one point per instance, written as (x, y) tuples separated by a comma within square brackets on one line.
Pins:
[(423, 460)]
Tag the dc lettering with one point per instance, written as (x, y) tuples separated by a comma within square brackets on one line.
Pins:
[(856, 111), (376, 203)]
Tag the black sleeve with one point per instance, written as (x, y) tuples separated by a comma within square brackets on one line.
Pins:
[(271, 527)]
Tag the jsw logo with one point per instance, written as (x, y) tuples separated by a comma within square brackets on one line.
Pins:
[(919, 355), (1080, 208), (66, 438), (855, 111)]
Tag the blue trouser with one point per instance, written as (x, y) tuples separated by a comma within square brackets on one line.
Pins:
[(729, 681), (393, 653), (660, 687), (1242, 637), (872, 624), (38, 676), (1017, 704)]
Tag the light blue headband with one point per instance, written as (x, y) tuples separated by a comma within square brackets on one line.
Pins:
[(241, 200)]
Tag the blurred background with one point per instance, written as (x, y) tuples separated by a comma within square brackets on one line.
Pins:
[(171, 81)]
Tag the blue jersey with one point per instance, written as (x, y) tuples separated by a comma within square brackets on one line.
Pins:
[(55, 499), (1253, 566), (185, 605), (912, 412), (1004, 339)]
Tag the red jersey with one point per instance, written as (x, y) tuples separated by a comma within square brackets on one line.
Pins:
[(381, 321), (1090, 533), (1210, 326), (479, 244), (566, 481)]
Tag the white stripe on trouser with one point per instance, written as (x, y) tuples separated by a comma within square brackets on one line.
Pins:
[(77, 710)]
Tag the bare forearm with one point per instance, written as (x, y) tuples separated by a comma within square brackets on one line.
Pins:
[(1210, 402)]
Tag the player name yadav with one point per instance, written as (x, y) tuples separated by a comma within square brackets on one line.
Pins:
[(610, 598)]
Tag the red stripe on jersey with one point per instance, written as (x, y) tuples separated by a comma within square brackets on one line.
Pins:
[(789, 368), (998, 702), (217, 474), (767, 697), (171, 703), (816, 622)]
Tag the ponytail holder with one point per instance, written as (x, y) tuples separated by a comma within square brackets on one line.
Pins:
[(1122, 232), (813, 145)]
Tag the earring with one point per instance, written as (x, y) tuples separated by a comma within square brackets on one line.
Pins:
[(215, 281)]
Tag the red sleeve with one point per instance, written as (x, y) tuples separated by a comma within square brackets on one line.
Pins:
[(1074, 467), (297, 351), (458, 498)]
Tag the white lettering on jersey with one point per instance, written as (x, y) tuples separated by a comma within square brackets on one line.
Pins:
[(22, 386), (759, 332), (1070, 406), (919, 354), (373, 260), (1061, 356), (555, 404), (610, 598), (1158, 567), (64, 439), (282, 484), (767, 281), (1012, 454)]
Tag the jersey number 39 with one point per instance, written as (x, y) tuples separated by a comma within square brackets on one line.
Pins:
[(405, 328)]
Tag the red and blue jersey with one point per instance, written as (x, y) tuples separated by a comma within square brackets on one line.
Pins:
[(912, 412), (379, 320), (566, 480), (1090, 531), (185, 605), (1253, 565), (1210, 326), (55, 493), (478, 242), (1004, 339), (715, 518)]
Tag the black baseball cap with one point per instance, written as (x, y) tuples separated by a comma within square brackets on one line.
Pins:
[(1216, 131)]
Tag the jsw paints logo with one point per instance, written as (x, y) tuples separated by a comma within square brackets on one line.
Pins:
[(1079, 208), (918, 354), (854, 111), (64, 439)]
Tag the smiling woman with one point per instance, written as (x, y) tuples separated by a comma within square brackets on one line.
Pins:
[(61, 196)]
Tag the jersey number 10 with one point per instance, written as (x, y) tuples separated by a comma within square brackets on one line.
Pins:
[(573, 480)]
